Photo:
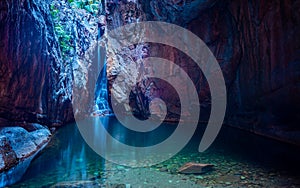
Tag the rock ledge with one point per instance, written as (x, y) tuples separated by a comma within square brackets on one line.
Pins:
[(17, 148)]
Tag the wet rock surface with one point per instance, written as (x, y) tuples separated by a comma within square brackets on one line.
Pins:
[(88, 184), (229, 172), (236, 164), (256, 44), (75, 184), (195, 168), (8, 156), (17, 148), (261, 76), (43, 47), (34, 85)]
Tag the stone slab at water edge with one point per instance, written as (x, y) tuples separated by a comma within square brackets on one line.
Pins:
[(17, 148)]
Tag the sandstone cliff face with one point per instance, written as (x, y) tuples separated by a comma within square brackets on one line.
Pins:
[(256, 43), (44, 56), (37, 75), (34, 86), (257, 46), (259, 58), (33, 83), (267, 74), (124, 66)]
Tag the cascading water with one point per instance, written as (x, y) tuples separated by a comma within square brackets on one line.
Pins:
[(101, 92)]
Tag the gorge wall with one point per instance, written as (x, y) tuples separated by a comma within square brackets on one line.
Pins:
[(256, 44), (43, 49), (34, 84), (259, 56)]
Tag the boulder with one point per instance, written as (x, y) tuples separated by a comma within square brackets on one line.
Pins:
[(8, 157), (195, 168), (17, 148)]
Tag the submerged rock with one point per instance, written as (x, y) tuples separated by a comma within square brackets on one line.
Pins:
[(69, 184), (195, 168)]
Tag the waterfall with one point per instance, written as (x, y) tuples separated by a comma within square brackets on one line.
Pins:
[(101, 92)]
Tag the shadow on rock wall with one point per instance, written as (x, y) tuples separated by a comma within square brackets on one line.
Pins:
[(257, 46)]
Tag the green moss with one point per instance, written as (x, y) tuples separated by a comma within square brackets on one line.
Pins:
[(92, 6), (64, 37)]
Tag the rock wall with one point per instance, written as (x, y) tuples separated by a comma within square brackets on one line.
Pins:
[(267, 74), (259, 58), (33, 83), (257, 46), (43, 55), (124, 67)]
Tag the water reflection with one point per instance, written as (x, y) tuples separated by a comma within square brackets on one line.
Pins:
[(66, 158), (118, 144), (69, 158)]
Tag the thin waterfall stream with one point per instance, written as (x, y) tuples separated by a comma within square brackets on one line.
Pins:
[(101, 91)]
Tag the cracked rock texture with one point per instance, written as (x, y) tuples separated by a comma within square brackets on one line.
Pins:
[(17, 148), (256, 44), (34, 86), (37, 76)]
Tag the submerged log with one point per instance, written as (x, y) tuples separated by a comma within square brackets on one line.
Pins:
[(195, 168)]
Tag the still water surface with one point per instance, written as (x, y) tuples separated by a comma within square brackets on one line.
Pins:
[(241, 159)]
